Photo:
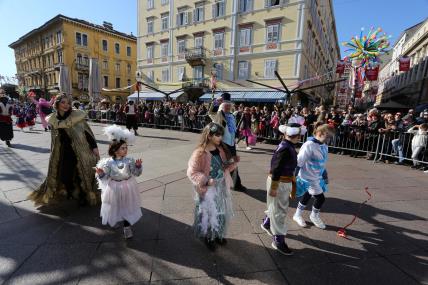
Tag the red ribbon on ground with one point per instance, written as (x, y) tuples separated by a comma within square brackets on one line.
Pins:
[(342, 232)]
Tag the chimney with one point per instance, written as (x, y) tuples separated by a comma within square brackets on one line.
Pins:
[(108, 25)]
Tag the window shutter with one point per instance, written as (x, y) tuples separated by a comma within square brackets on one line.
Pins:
[(214, 10), (222, 8), (189, 18), (267, 2), (178, 20)]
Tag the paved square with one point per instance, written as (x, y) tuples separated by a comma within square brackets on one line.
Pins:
[(66, 244)]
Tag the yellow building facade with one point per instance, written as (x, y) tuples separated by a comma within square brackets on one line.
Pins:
[(237, 40), (73, 42)]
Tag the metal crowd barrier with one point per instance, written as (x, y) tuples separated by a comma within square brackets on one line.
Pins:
[(354, 141)]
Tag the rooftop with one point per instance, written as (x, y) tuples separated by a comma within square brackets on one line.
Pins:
[(104, 28)]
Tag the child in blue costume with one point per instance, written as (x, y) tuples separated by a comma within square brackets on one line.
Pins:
[(312, 176)]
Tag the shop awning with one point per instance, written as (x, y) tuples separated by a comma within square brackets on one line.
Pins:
[(249, 96), (147, 96), (175, 96)]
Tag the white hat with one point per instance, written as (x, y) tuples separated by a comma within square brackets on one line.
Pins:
[(116, 133), (292, 129)]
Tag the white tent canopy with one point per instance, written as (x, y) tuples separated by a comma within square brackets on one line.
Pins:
[(148, 96)]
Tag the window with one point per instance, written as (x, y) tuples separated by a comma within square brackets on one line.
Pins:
[(86, 60), (58, 37), (85, 40), (182, 18), (181, 73), (164, 2), (78, 59), (272, 32), (128, 51), (165, 21), (164, 49), (150, 26), (198, 72), (150, 52), (199, 42), (181, 46), (243, 70), (219, 40), (117, 82), (78, 39), (151, 75), (150, 4), (198, 15), (128, 82), (80, 81), (219, 71), (105, 64), (219, 9), (105, 45), (245, 5), (128, 68), (117, 67), (270, 67), (117, 48), (245, 37), (272, 3), (165, 75), (59, 56)]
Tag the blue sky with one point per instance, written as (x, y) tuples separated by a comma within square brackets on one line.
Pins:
[(20, 16)]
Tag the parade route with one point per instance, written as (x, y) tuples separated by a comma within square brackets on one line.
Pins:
[(388, 243)]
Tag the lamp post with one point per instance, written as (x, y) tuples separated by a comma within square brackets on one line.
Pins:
[(138, 77)]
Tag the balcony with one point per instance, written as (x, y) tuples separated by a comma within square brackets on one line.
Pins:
[(196, 56), (82, 66), (197, 83)]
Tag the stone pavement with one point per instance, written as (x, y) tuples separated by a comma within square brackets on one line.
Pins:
[(68, 245)]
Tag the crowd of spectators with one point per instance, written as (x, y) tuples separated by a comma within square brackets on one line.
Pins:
[(384, 134)]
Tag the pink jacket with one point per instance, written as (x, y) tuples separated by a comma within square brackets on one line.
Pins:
[(199, 167)]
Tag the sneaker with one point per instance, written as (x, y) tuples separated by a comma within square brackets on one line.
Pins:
[(267, 230), (398, 163), (282, 248), (426, 171), (248, 148), (221, 241), (414, 166), (127, 232), (210, 244), (316, 220), (299, 220)]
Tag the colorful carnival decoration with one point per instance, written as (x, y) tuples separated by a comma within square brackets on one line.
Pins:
[(366, 49)]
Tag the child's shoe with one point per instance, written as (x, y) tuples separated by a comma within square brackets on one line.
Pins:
[(315, 218), (299, 220)]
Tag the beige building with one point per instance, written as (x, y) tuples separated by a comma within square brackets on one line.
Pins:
[(406, 88), (236, 40), (72, 42)]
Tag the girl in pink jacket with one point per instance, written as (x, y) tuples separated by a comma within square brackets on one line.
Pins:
[(209, 171)]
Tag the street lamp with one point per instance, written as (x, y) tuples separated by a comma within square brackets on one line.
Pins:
[(139, 78)]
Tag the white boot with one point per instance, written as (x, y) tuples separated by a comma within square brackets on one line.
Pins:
[(297, 217), (316, 220), (299, 220)]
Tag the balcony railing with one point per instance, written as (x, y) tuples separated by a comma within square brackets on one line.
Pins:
[(196, 56), (197, 83), (82, 66)]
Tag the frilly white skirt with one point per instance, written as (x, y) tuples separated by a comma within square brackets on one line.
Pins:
[(120, 201)]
